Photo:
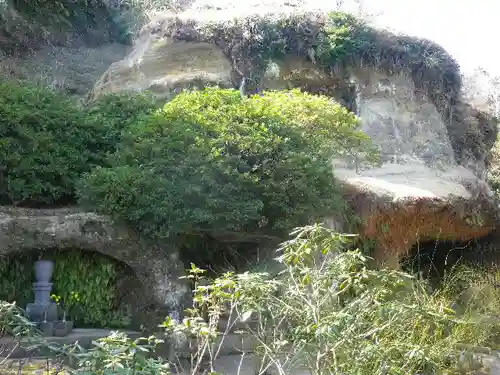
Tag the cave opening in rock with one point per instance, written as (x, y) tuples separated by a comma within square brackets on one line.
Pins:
[(217, 255), (433, 259)]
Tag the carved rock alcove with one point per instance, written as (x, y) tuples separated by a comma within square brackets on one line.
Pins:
[(108, 291), (157, 268)]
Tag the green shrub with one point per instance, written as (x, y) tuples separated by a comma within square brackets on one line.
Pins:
[(115, 354), (344, 37), (42, 145), (112, 114), (214, 162), (326, 308), (47, 141)]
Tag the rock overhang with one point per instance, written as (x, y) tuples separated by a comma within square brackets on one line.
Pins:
[(398, 224), (407, 92), (241, 32)]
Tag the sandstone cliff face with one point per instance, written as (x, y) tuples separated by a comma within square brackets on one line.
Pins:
[(421, 192), (166, 68), (434, 145)]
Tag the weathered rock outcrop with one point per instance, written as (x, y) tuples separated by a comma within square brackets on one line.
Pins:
[(167, 68), (430, 186), (57, 52), (36, 229), (406, 91), (73, 70)]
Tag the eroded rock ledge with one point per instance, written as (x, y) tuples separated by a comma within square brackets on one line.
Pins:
[(157, 267), (398, 223)]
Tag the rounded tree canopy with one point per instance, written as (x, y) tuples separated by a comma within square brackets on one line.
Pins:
[(215, 162)]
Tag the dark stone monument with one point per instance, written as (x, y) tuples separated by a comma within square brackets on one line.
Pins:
[(44, 311)]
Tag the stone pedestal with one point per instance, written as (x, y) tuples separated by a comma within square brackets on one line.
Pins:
[(38, 312), (43, 309)]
